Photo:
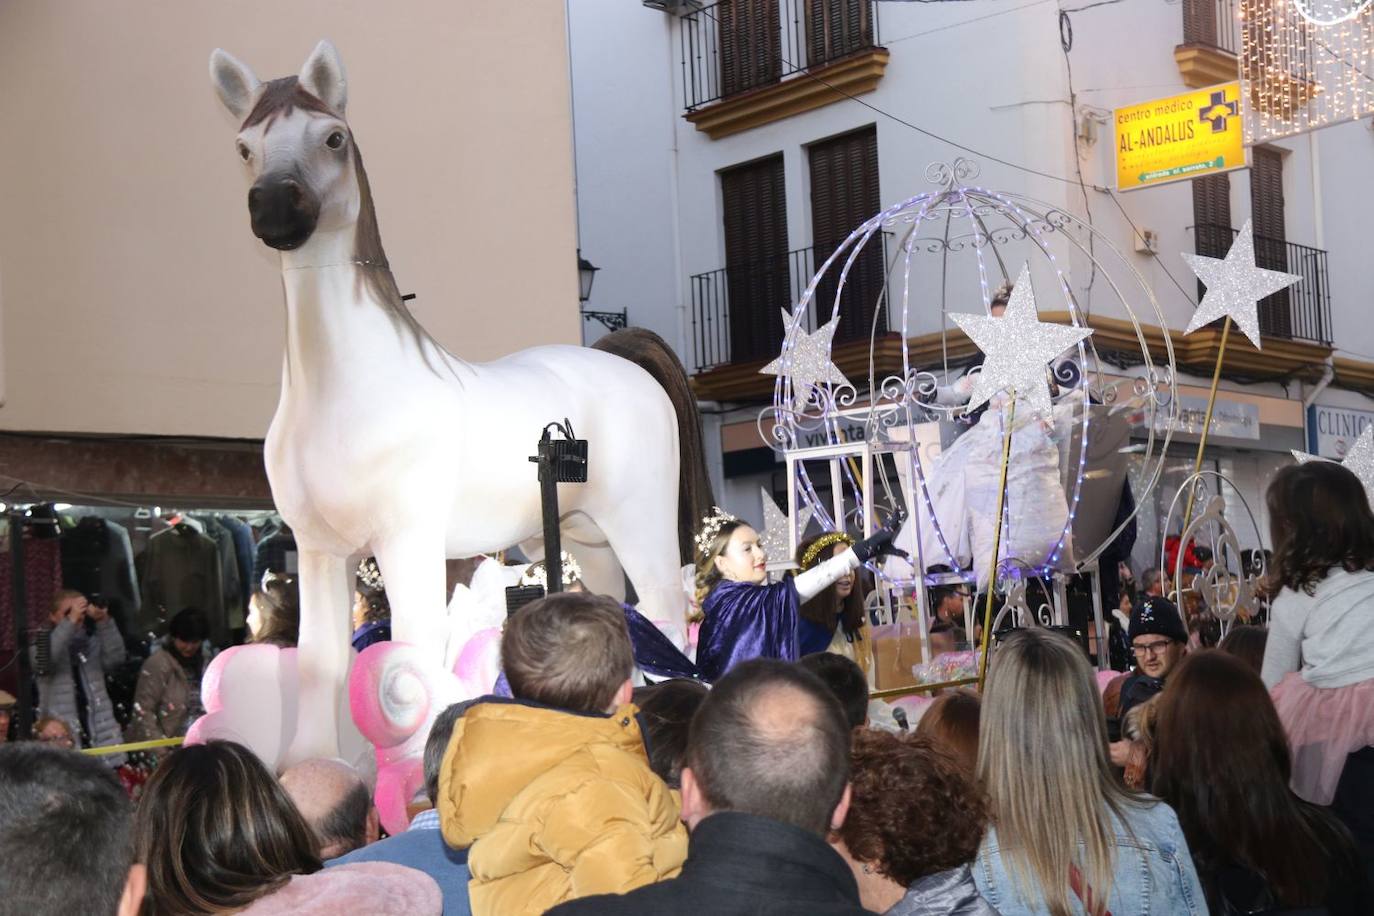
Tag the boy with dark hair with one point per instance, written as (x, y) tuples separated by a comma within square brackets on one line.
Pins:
[(845, 679), (552, 788), (65, 846)]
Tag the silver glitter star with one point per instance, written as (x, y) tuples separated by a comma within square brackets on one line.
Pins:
[(774, 536), (1235, 286), (1018, 346), (1359, 459), (806, 359)]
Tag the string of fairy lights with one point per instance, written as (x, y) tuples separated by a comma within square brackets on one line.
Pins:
[(1305, 64)]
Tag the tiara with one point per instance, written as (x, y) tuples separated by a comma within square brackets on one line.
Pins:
[(821, 543), (538, 573), (710, 528), (276, 577), (370, 574)]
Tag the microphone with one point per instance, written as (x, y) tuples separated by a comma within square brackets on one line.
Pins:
[(899, 714)]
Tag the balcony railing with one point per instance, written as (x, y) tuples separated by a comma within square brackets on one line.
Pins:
[(736, 310), (1300, 312), (1212, 23), (733, 46)]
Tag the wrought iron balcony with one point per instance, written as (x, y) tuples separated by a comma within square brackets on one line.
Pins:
[(736, 310), (732, 46), (1300, 312)]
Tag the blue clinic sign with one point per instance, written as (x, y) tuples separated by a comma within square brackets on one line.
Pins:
[(1332, 430)]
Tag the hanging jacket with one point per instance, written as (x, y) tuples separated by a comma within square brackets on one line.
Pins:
[(42, 582), (181, 570), (244, 553), (56, 674), (97, 558), (231, 591), (555, 805)]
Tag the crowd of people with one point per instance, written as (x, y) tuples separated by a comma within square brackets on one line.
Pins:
[(1233, 779)]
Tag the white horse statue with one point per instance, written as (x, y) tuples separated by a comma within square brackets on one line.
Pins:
[(386, 444)]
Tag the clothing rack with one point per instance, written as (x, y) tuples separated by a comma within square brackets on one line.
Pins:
[(139, 519)]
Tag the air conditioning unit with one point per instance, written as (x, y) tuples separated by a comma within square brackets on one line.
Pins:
[(1147, 241)]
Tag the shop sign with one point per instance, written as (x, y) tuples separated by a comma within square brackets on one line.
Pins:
[(847, 428), (1178, 138), (1332, 430), (1232, 419)]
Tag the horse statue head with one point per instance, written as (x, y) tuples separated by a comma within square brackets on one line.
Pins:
[(307, 176)]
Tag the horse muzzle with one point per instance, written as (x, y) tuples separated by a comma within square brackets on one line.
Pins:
[(284, 213)]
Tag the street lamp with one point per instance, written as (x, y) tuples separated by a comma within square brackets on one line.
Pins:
[(586, 273)]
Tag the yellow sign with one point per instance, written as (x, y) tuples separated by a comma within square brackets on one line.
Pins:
[(1181, 137)]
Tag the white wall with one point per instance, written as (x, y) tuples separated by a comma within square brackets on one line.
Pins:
[(135, 297), (624, 114)]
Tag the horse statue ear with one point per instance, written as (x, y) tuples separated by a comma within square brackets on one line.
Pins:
[(323, 76), (234, 82)]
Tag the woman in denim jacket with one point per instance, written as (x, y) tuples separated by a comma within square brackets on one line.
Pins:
[(1067, 838)]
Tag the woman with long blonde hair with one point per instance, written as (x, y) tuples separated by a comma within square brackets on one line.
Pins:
[(1066, 837)]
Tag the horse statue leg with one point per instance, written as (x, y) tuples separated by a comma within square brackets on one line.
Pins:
[(322, 654), (412, 565), (644, 537)]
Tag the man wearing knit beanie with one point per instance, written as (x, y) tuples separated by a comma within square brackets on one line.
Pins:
[(1158, 639)]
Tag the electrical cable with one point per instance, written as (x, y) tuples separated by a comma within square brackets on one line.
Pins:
[(964, 22)]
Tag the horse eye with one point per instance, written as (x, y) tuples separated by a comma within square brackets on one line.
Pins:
[(244, 152), (335, 140)]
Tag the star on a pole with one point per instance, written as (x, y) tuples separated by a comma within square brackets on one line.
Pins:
[(1359, 459), (806, 358), (1235, 286), (1018, 346), (774, 537)]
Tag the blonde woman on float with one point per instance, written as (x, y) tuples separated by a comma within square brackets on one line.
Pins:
[(1066, 836), (742, 616)]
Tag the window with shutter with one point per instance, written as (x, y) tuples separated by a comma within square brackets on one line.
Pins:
[(835, 28), (1212, 214), (750, 44), (1200, 22), (1271, 245), (757, 280), (844, 193)]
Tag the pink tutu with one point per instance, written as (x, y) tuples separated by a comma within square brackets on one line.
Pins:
[(1324, 726)]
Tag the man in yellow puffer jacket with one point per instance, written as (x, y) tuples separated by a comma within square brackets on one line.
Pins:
[(552, 790)]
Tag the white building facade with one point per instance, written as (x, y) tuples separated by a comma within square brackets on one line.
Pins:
[(731, 146)]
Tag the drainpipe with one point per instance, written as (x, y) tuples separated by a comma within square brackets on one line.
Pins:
[(1328, 373), (713, 446)]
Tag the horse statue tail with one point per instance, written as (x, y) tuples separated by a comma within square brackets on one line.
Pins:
[(651, 353)]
